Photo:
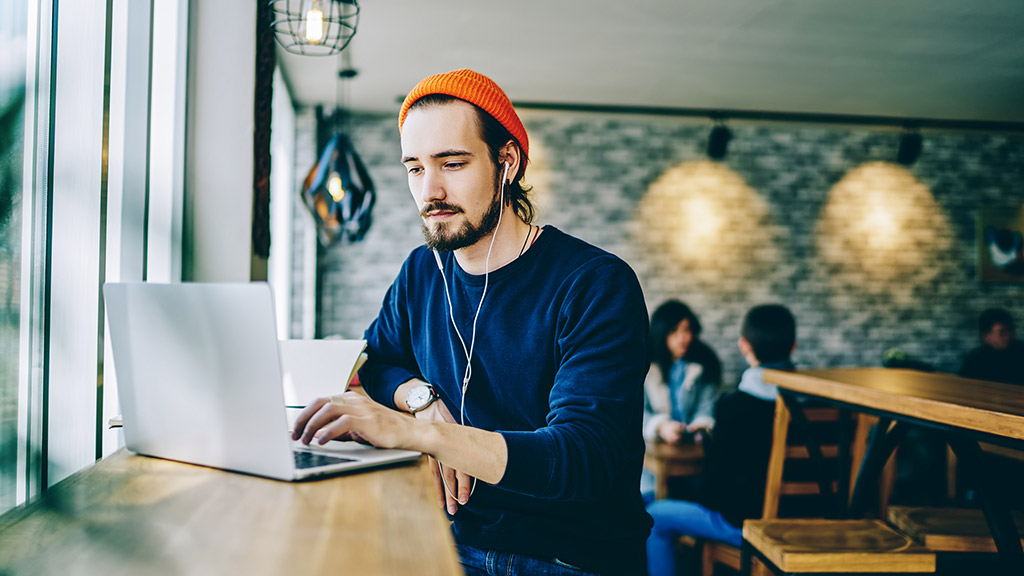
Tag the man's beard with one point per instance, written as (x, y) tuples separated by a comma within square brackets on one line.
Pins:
[(444, 238)]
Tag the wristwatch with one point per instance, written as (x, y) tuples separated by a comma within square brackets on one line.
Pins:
[(420, 397)]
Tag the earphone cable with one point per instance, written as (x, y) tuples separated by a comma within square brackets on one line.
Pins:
[(472, 338)]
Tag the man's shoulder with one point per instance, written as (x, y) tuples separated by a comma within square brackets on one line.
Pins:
[(739, 402), (1016, 347), (419, 253), (419, 257), (978, 354), (576, 254)]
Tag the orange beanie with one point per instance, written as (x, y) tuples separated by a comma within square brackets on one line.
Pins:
[(477, 89)]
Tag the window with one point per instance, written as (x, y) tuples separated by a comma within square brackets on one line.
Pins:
[(92, 165), (13, 26)]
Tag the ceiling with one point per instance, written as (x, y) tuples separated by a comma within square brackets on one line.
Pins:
[(933, 59)]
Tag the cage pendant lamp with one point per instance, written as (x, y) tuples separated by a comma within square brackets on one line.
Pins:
[(314, 27)]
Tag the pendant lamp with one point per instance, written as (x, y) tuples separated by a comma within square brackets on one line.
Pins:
[(339, 192), (315, 27)]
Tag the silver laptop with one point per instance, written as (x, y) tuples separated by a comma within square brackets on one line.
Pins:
[(199, 380)]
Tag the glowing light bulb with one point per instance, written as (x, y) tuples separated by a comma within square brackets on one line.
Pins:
[(334, 187), (315, 24)]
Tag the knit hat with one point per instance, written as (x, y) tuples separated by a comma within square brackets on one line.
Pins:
[(475, 88)]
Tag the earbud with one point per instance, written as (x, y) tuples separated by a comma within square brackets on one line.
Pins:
[(504, 178)]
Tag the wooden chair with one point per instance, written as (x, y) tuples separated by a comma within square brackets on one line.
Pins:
[(783, 449), (816, 545), (952, 530), (948, 529), (819, 545)]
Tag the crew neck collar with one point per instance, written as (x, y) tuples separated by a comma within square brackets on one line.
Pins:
[(544, 238)]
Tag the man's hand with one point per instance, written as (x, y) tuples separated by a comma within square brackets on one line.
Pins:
[(353, 416), (671, 431), (459, 484)]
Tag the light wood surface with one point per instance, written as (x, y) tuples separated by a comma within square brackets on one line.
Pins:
[(776, 460), (843, 546), (948, 529), (130, 514), (989, 407)]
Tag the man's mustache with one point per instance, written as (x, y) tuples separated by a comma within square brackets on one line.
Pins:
[(438, 206)]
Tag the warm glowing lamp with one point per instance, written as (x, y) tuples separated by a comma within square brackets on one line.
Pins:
[(334, 187), (315, 24), (314, 27)]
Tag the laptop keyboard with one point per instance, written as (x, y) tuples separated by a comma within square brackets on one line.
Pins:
[(312, 460)]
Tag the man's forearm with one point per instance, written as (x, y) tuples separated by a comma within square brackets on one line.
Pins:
[(478, 453)]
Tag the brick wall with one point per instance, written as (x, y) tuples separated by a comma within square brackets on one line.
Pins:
[(868, 254)]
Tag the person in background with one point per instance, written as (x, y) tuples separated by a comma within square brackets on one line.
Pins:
[(683, 383), (737, 464), (513, 354), (1000, 357)]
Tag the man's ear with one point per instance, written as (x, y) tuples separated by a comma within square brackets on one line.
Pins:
[(744, 346), (510, 153), (793, 349)]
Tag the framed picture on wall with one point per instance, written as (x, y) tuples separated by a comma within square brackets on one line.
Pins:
[(1000, 241)]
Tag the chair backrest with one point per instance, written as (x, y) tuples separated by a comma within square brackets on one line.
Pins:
[(791, 472), (790, 448)]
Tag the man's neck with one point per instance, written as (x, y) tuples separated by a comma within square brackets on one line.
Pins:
[(509, 239)]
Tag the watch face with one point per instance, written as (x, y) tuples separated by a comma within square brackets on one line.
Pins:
[(419, 397)]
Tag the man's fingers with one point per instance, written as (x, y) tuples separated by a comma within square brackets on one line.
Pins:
[(325, 415), (447, 482), (452, 485), (465, 484), (336, 429), (304, 417), (436, 473)]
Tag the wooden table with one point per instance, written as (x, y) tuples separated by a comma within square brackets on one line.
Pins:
[(671, 460), (966, 411), (130, 514)]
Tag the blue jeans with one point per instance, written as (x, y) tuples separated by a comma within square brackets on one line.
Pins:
[(478, 562), (674, 518)]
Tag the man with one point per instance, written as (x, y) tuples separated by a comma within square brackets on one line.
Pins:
[(534, 340), (1000, 358)]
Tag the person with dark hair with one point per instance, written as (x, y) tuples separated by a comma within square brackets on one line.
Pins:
[(683, 382), (1000, 357), (518, 350), (737, 463)]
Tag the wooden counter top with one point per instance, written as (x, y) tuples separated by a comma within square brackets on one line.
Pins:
[(130, 514)]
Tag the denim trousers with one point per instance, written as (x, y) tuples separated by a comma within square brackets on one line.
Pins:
[(479, 562), (674, 518)]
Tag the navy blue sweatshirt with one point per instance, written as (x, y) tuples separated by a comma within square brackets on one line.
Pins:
[(558, 368)]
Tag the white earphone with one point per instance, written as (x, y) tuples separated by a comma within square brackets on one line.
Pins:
[(472, 339)]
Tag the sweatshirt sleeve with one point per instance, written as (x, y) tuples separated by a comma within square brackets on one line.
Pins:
[(389, 361), (593, 432)]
